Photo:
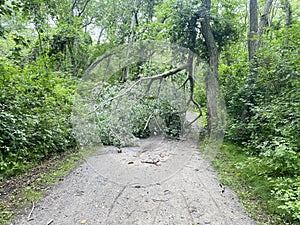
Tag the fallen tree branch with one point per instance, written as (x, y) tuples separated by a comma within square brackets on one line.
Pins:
[(148, 120), (151, 162), (184, 83), (191, 99), (31, 211), (93, 66), (149, 86), (199, 108), (159, 88), (157, 123), (159, 76)]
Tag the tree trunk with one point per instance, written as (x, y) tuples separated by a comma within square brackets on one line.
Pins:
[(131, 38), (253, 28), (254, 35), (256, 30), (212, 74), (252, 47), (264, 19)]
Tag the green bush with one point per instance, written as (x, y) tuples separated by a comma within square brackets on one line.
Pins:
[(276, 194), (34, 115), (286, 193), (264, 118)]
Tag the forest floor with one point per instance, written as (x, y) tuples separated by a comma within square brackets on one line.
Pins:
[(162, 181)]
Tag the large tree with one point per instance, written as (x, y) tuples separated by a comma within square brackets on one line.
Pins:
[(253, 28), (256, 29), (212, 74)]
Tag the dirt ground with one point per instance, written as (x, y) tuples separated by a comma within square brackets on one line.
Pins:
[(160, 182)]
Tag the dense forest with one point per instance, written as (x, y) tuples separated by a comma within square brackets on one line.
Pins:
[(252, 50)]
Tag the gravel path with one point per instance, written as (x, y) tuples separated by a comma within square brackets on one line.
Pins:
[(161, 182)]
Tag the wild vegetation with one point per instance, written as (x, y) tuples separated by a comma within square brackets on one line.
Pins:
[(251, 47)]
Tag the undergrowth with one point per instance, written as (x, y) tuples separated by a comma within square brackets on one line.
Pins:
[(269, 199), (35, 111)]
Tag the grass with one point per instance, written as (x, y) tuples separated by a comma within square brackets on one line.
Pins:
[(247, 177), (29, 187)]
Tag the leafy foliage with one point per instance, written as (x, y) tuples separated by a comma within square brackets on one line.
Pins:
[(270, 200), (264, 117), (35, 105), (286, 193), (136, 118)]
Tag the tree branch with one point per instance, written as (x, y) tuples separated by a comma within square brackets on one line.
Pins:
[(91, 20), (84, 7), (192, 87), (73, 6), (156, 77), (159, 76), (91, 67), (31, 211)]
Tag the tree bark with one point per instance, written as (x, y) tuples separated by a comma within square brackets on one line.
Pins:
[(254, 38), (264, 19), (256, 30), (253, 28), (212, 74)]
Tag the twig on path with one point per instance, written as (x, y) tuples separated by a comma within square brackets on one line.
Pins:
[(151, 162), (50, 221), (29, 215)]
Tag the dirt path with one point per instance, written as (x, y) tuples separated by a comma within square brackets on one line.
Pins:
[(160, 182)]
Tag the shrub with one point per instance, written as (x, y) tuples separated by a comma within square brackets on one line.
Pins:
[(34, 115), (286, 192)]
